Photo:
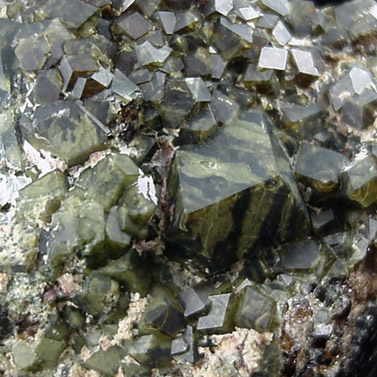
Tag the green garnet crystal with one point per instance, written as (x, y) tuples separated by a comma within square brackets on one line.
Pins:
[(235, 194)]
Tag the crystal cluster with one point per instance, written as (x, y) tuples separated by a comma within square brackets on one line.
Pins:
[(178, 175)]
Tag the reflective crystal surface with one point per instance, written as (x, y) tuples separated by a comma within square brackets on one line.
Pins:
[(227, 172), (273, 58)]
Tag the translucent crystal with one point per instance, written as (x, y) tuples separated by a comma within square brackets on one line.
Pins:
[(219, 318), (273, 58), (360, 182), (48, 86), (281, 33), (300, 256), (148, 7), (358, 110), (188, 19), (74, 66), (134, 25), (194, 301), (10, 150), (304, 62), (303, 17), (279, 6), (223, 6), (361, 79), (212, 178), (179, 345), (130, 270), (168, 21), (176, 104), (115, 225), (231, 38), (267, 21), (199, 127), (164, 312), (32, 52), (245, 10), (68, 129), (320, 169), (106, 361), (198, 63), (74, 14), (191, 354), (151, 350), (154, 90), (224, 108), (198, 89), (323, 221), (218, 66), (106, 181), (255, 310), (148, 54), (99, 293), (264, 80), (295, 115), (354, 82)]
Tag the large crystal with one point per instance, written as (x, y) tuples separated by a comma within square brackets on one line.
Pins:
[(67, 129), (227, 203)]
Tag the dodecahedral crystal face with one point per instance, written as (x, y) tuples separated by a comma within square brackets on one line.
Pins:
[(235, 193)]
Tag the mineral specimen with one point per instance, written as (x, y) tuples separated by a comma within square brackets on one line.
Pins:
[(188, 188)]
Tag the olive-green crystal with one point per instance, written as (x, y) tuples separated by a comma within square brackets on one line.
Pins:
[(106, 181), (43, 353), (319, 169), (130, 270), (76, 226), (107, 361), (100, 294), (220, 187), (152, 350), (164, 312), (67, 130), (256, 310), (360, 182)]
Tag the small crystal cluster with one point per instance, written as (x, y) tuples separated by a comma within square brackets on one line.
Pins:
[(174, 172)]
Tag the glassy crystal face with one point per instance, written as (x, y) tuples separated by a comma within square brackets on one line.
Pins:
[(358, 110), (281, 6), (281, 34), (360, 181), (48, 86), (134, 25), (304, 62), (320, 169), (152, 350), (256, 310), (273, 58), (67, 129), (218, 186)]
